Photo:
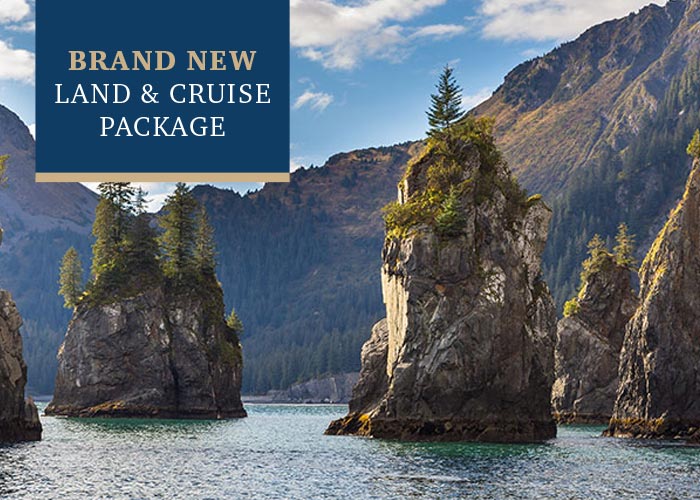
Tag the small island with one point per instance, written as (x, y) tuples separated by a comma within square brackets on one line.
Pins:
[(148, 336), (466, 350)]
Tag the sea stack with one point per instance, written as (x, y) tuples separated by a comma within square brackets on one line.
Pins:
[(19, 418), (148, 336), (589, 339), (162, 353), (466, 350), (659, 391)]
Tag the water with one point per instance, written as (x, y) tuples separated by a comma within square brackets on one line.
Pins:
[(279, 452)]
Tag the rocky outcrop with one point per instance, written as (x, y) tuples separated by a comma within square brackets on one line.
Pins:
[(588, 346), (19, 419), (659, 391), (161, 354), (466, 350), (333, 389)]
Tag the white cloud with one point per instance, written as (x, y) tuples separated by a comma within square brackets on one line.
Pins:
[(16, 64), (32, 129), (340, 36), (550, 19), (439, 31), (28, 27), (295, 164), (13, 10), (315, 100), (533, 52), (471, 101)]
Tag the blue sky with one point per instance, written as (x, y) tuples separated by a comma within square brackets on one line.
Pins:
[(362, 70)]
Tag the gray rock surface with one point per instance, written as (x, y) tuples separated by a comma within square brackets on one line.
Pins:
[(659, 391), (466, 350), (154, 355), (589, 343), (19, 419)]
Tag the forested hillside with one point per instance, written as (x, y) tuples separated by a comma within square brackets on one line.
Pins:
[(599, 126), (300, 263)]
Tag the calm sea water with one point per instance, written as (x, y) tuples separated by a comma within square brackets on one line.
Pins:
[(279, 452)]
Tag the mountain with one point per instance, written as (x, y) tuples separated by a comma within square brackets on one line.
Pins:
[(299, 263), (40, 222), (599, 126)]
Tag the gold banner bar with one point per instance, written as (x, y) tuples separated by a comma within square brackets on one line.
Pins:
[(198, 177)]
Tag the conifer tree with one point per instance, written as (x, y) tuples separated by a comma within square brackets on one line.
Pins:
[(179, 232), (597, 250), (205, 248), (3, 169), (112, 218), (694, 146), (121, 196), (234, 322), (624, 249), (446, 105), (105, 248), (71, 278), (141, 250), (140, 203), (451, 220)]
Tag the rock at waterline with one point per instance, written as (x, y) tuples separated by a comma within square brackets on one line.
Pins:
[(162, 353), (466, 349), (659, 390), (19, 419), (588, 346)]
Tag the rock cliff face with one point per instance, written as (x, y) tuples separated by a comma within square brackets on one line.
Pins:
[(659, 391), (466, 350), (588, 346), (159, 354), (19, 419)]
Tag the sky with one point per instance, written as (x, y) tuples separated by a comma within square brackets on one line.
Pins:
[(362, 71)]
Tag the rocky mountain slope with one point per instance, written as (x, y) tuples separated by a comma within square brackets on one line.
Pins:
[(40, 222), (659, 391), (466, 350), (589, 340), (599, 126), (163, 353)]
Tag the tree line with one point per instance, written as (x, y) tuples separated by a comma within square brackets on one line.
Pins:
[(132, 254)]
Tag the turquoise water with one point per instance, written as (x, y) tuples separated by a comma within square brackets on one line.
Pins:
[(279, 452)]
